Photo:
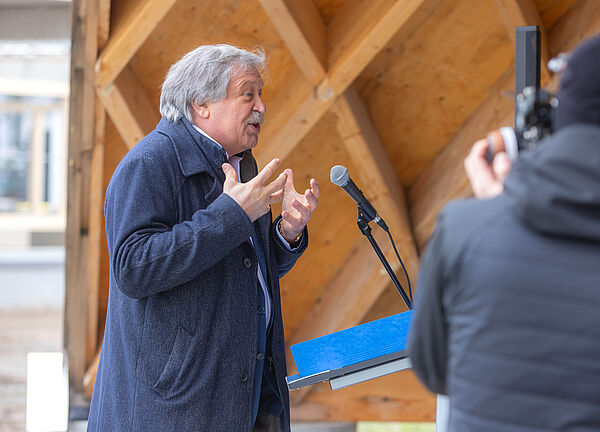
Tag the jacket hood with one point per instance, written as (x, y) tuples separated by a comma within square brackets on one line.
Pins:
[(555, 189)]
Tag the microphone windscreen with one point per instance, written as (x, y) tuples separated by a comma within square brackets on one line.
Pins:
[(339, 175)]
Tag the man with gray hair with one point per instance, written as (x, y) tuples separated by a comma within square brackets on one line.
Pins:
[(194, 333)]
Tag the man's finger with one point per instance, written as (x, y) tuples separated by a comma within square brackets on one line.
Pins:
[(276, 197), (289, 183), (316, 189), (311, 199), (267, 171), (301, 208), (289, 218), (277, 184), (230, 173)]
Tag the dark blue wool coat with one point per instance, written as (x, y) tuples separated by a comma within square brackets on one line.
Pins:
[(180, 345)]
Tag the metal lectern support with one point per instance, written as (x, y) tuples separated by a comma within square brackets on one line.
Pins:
[(364, 227)]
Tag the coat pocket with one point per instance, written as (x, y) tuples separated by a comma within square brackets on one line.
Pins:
[(173, 370)]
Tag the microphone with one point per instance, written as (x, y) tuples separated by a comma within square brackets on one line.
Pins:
[(339, 176)]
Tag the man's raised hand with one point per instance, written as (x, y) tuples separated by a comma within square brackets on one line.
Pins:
[(297, 209), (254, 197)]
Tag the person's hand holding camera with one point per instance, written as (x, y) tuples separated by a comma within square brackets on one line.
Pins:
[(487, 180)]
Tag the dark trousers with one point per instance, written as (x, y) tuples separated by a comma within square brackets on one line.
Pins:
[(267, 423)]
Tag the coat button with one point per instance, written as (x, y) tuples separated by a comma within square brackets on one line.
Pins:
[(247, 262), (260, 356), (244, 377)]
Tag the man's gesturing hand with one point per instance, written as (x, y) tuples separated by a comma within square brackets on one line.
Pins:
[(254, 197), (296, 209)]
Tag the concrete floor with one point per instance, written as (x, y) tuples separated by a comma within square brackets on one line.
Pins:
[(22, 331)]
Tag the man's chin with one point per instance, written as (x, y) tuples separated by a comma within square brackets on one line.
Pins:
[(252, 142)]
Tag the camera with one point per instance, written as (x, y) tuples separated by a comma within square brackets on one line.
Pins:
[(533, 123)]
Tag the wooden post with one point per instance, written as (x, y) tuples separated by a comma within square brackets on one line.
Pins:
[(81, 140)]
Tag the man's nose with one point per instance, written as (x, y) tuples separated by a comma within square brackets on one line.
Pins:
[(259, 105)]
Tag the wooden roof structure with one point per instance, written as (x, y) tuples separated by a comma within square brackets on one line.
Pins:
[(395, 90)]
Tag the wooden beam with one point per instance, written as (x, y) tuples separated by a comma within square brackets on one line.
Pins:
[(444, 179), (361, 280), (377, 176), (515, 13), (96, 231), (133, 114), (355, 36), (582, 22), (128, 37), (301, 27), (89, 378), (395, 397), (374, 168), (81, 138), (103, 23)]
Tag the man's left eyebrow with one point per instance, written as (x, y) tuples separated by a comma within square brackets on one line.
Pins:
[(251, 82)]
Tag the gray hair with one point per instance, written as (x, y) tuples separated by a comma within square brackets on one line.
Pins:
[(202, 75)]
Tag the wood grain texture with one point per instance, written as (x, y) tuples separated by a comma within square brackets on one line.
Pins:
[(424, 85), (103, 22), (444, 178), (360, 32), (516, 13), (129, 108), (581, 22), (552, 11), (396, 397), (302, 29), (127, 36), (96, 231)]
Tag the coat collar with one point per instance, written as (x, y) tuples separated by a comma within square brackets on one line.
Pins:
[(195, 152)]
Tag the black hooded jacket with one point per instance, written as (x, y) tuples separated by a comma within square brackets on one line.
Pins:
[(507, 321)]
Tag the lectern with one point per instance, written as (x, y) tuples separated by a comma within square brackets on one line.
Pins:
[(354, 355)]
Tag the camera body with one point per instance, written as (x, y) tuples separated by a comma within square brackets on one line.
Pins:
[(533, 123)]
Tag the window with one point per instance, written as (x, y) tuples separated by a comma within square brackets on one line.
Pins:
[(32, 154)]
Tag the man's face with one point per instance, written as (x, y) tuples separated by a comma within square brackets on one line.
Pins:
[(235, 121)]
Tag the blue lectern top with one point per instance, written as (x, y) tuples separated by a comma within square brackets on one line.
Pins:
[(354, 349)]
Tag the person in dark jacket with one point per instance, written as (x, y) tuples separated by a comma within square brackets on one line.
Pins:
[(507, 318), (194, 334)]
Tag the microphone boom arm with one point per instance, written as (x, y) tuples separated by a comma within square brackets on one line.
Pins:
[(365, 229)]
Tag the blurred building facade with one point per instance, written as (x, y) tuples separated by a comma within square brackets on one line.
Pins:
[(34, 84)]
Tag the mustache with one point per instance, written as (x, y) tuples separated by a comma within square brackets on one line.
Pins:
[(256, 117)]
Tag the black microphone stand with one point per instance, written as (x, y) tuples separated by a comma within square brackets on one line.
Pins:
[(365, 229)]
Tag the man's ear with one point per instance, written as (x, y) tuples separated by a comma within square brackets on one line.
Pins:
[(201, 110)]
